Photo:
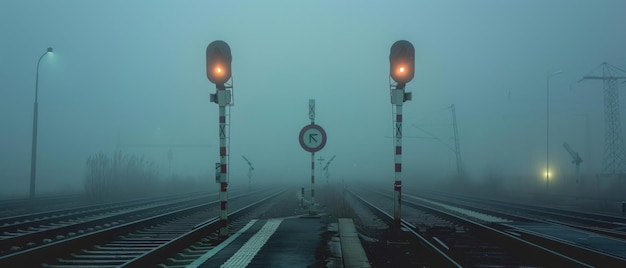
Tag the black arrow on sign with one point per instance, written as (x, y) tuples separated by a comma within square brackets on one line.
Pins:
[(312, 138)]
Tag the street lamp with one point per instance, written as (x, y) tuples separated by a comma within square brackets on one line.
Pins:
[(33, 156), (548, 76)]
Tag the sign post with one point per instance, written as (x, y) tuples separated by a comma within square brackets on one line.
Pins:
[(312, 139)]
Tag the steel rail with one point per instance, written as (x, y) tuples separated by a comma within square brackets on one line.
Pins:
[(49, 252), (440, 258), (159, 254)]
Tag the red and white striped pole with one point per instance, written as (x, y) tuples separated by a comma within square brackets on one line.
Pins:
[(312, 206), (401, 70), (223, 164), (218, 63), (397, 185), (398, 96), (312, 139), (312, 209)]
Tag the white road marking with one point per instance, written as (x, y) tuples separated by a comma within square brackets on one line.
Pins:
[(247, 252)]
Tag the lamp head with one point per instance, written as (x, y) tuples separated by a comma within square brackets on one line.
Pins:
[(50, 50)]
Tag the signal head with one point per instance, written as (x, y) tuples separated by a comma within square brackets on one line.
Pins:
[(402, 61), (218, 60)]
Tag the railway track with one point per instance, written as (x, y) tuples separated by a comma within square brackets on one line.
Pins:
[(406, 248), (472, 243), (30, 230), (189, 246), (601, 224), (13, 207), (593, 248), (142, 242)]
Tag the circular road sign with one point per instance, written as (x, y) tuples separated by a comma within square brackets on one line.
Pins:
[(312, 138)]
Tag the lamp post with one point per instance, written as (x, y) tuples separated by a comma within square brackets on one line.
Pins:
[(548, 76), (33, 156)]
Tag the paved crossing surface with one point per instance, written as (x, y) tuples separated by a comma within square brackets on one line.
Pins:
[(289, 242)]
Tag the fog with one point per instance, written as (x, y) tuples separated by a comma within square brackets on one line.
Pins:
[(130, 76)]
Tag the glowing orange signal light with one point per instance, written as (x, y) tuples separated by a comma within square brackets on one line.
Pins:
[(402, 61), (218, 60)]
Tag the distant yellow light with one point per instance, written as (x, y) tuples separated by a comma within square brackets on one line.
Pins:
[(547, 174), (218, 70), (402, 69)]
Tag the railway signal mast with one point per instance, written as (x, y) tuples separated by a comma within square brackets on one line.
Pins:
[(576, 158), (401, 70), (457, 144), (321, 161), (250, 169), (218, 61), (325, 169)]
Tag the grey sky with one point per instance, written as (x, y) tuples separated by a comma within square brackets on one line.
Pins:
[(132, 72)]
